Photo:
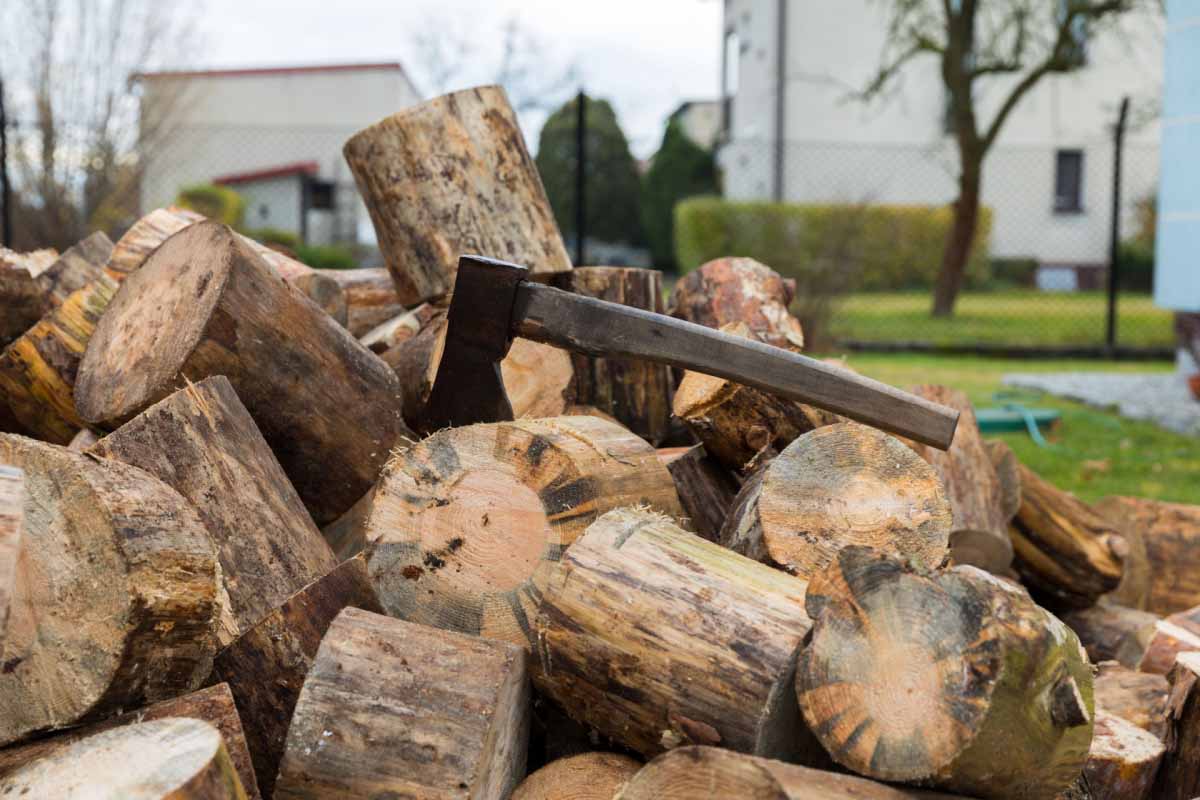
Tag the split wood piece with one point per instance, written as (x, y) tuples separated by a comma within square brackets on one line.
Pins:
[(393, 709), (83, 440), (12, 525), (370, 297), (202, 443), (399, 329), (1179, 776), (347, 535), (464, 525), (22, 301), (115, 596), (1169, 536), (38, 371), (706, 490), (657, 638), (995, 696), (979, 535), (168, 759), (1136, 697), (452, 176), (729, 290), (637, 393), (1111, 632), (265, 668), (1123, 760), (1178, 633), (1008, 470), (588, 776), (836, 486), (691, 773), (205, 304), (79, 266), (1065, 552), (214, 705)]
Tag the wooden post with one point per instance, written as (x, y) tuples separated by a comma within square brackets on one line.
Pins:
[(12, 526), (588, 776), (739, 290), (1122, 761), (370, 297), (1167, 536), (706, 490), (1179, 776), (1136, 697)]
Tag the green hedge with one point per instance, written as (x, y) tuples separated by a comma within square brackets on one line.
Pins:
[(875, 247), (215, 202)]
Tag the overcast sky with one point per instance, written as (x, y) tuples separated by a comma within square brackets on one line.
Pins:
[(644, 56)]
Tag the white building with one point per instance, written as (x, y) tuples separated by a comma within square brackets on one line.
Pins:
[(1047, 180), (275, 135), (700, 120)]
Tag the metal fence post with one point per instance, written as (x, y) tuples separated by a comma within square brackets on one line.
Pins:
[(5, 185), (1114, 245), (580, 177)]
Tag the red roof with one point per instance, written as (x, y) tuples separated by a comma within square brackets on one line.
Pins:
[(255, 71), (298, 168)]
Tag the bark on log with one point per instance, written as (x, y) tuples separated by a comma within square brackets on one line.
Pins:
[(706, 490), (588, 776), (167, 759), (836, 486), (1179, 776), (1112, 633), (1122, 761), (393, 709), (370, 297), (205, 304), (452, 176), (399, 329), (1167, 536), (739, 290), (22, 302), (1136, 697), (115, 597), (1178, 633), (657, 638), (637, 393), (202, 443), (995, 696), (79, 266), (1008, 470), (265, 668), (12, 526), (464, 524)]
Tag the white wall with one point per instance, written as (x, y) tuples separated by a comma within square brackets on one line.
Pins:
[(273, 203)]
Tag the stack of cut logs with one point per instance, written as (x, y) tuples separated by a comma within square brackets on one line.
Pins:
[(236, 562)]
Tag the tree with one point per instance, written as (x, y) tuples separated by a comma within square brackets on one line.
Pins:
[(612, 177), (1012, 43), (681, 169)]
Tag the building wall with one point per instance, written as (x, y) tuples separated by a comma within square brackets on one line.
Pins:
[(701, 121)]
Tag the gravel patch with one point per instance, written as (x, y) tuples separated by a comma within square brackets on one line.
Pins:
[(1162, 398)]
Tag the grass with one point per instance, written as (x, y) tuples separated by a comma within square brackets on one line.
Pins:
[(1092, 452)]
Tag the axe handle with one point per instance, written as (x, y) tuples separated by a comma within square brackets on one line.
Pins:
[(599, 328)]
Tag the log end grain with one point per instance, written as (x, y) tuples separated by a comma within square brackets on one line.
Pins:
[(588, 776)]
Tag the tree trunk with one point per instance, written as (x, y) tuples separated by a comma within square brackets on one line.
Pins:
[(115, 596), (452, 176), (393, 709), (1179, 776), (464, 524), (370, 297), (706, 490), (205, 304), (1178, 633), (657, 638), (837, 486), (1122, 761), (265, 668), (12, 527), (1111, 632), (1136, 697), (961, 237), (732, 290), (1168, 534), (588, 776), (994, 699)]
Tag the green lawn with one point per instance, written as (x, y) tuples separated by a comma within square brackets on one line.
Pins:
[(1093, 453)]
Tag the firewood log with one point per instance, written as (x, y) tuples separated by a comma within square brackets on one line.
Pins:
[(12, 526), (657, 638), (1179, 776), (1167, 536), (452, 176), (176, 758), (83, 440), (393, 709), (202, 442), (463, 524), (637, 393), (214, 705), (994, 699), (33, 262), (1178, 633), (399, 329), (79, 266), (739, 290), (22, 302), (265, 668), (115, 595), (347, 535), (1122, 761), (840, 485), (588, 776), (1008, 470), (706, 489), (1136, 697), (205, 304), (370, 297), (1111, 632)]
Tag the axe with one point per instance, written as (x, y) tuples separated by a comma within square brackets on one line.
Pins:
[(493, 301)]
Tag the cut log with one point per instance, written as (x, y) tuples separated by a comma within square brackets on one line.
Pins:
[(1136, 697), (1112, 633), (1168, 534), (205, 304), (1178, 633), (202, 443), (1008, 470), (1179, 776), (588, 776), (397, 330), (1066, 553), (347, 535), (739, 290), (370, 297), (836, 486), (115, 596), (83, 440), (706, 490), (463, 524), (979, 535), (637, 393), (1123, 760), (167, 759), (452, 176), (33, 262), (12, 526), (213, 705), (80, 266), (657, 638), (265, 668), (393, 709), (994, 699), (22, 301)]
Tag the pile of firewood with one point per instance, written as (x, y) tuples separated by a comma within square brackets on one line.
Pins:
[(237, 560)]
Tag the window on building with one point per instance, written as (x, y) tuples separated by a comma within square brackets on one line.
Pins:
[(320, 194), (1068, 182)]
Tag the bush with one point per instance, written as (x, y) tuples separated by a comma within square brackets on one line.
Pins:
[(681, 169), (215, 202), (1137, 266), (1008, 272), (326, 256), (270, 236)]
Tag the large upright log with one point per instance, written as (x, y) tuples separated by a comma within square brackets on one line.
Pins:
[(79, 266), (115, 597), (657, 638), (1167, 537), (1179, 776), (463, 525), (202, 442), (370, 297), (12, 525), (452, 176), (393, 709), (587, 776), (954, 679), (729, 290), (205, 304)]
